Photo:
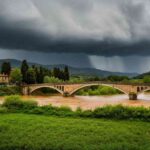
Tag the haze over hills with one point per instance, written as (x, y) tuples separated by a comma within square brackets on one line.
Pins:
[(73, 70)]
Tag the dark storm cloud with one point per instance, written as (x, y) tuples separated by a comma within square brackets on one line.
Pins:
[(23, 38), (94, 27)]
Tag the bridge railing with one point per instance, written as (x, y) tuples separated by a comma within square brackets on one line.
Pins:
[(93, 82)]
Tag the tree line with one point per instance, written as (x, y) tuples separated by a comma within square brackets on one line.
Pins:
[(33, 74)]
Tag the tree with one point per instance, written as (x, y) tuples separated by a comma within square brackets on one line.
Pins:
[(41, 75), (24, 69), (16, 76), (31, 76), (66, 73), (115, 78), (6, 68), (61, 74), (56, 72), (146, 79), (48, 79)]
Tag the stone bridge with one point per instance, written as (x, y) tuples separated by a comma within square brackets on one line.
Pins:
[(68, 89)]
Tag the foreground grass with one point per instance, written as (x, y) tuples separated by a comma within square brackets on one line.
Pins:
[(34, 132)]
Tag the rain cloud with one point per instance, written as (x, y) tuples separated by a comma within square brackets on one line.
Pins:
[(92, 27)]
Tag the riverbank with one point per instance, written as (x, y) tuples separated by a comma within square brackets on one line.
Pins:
[(15, 104), (22, 131), (88, 102)]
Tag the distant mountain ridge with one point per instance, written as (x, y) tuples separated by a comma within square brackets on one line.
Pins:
[(141, 76), (73, 70)]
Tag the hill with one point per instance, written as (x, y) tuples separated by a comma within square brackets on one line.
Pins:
[(73, 70), (141, 76)]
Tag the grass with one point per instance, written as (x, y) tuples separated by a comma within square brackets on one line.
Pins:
[(26, 126), (34, 132)]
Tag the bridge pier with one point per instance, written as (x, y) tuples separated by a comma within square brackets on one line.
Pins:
[(25, 90), (66, 94), (132, 96)]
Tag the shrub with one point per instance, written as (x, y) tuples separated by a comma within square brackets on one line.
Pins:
[(37, 110), (16, 76), (16, 103), (48, 79), (30, 104), (5, 90), (3, 110), (13, 102), (117, 112), (49, 110), (146, 79), (122, 112), (78, 111), (58, 111), (87, 113), (64, 111)]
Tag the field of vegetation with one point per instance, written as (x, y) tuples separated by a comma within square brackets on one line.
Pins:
[(26, 126), (33, 132)]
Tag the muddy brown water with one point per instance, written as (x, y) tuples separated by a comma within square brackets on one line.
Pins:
[(88, 102)]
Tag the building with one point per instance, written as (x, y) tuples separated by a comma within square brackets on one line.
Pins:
[(4, 78)]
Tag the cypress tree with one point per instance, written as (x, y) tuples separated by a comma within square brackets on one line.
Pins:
[(24, 69), (66, 73), (6, 68), (31, 76)]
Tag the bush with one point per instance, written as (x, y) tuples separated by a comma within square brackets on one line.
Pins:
[(52, 110), (111, 112), (117, 112), (122, 112), (5, 90), (64, 111), (15, 103), (3, 110), (30, 104), (16, 76), (48, 79), (146, 79), (87, 113), (37, 110), (78, 111)]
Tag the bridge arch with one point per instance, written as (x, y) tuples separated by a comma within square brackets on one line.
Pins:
[(32, 89), (90, 85), (144, 89)]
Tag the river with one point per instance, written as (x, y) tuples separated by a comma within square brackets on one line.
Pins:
[(88, 102)]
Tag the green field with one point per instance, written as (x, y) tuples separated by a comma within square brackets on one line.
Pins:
[(35, 132)]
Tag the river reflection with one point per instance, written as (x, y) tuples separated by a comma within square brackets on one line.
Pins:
[(89, 102)]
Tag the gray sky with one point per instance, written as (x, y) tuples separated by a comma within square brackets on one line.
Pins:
[(86, 33)]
